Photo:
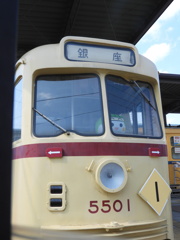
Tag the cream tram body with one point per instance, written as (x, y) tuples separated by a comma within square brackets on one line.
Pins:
[(89, 149)]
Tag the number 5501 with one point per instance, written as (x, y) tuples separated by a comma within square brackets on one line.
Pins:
[(106, 206)]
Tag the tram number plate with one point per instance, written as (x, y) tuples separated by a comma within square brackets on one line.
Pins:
[(107, 206)]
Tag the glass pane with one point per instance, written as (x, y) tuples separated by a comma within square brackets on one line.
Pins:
[(175, 152), (71, 101), (175, 141), (173, 119), (129, 110), (17, 111)]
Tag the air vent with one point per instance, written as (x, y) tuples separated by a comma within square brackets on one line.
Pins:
[(56, 189), (56, 197), (56, 202)]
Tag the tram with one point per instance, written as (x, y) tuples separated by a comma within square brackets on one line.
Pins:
[(173, 145), (89, 146)]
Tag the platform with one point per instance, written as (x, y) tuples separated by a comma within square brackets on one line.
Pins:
[(176, 215)]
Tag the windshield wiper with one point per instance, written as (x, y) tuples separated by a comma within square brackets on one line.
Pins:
[(142, 94), (50, 121)]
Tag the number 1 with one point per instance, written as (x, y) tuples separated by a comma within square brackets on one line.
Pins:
[(157, 191)]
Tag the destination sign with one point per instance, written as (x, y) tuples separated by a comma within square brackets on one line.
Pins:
[(97, 53), (176, 140)]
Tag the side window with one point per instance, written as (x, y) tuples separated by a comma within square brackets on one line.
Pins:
[(173, 120), (17, 111), (175, 149)]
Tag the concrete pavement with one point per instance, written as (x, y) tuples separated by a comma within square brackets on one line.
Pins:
[(176, 216)]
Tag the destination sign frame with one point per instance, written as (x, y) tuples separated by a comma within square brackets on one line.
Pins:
[(83, 52)]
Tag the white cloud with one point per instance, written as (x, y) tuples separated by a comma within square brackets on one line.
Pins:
[(170, 29), (171, 11), (44, 96), (157, 52), (154, 30), (162, 71)]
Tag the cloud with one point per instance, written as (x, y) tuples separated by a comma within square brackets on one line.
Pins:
[(171, 11), (170, 29), (44, 96), (157, 52), (154, 30)]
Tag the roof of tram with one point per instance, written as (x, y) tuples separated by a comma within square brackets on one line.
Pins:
[(43, 22)]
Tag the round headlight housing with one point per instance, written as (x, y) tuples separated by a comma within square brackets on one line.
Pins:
[(111, 176)]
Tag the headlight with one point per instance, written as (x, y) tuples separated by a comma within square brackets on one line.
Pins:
[(111, 176)]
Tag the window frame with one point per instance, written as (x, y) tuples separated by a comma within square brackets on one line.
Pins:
[(143, 102), (19, 81), (69, 130)]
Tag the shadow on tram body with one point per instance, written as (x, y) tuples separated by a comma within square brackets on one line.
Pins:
[(27, 233)]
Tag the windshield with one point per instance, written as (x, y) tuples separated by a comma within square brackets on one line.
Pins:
[(68, 103), (132, 108)]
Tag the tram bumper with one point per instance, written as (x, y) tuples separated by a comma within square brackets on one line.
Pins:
[(141, 230)]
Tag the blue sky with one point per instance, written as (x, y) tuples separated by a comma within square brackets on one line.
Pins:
[(161, 43)]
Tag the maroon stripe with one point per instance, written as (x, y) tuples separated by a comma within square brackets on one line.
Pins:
[(89, 149)]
